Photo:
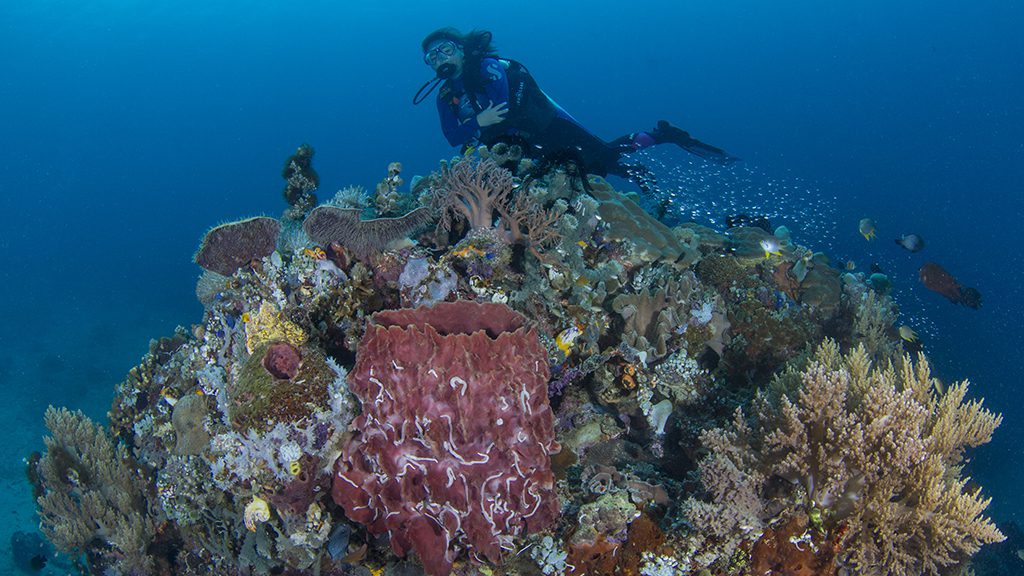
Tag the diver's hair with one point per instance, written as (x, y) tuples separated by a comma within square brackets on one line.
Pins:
[(476, 45)]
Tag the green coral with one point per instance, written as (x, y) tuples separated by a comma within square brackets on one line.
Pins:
[(258, 400)]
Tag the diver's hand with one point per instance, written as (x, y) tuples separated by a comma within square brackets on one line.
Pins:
[(492, 114)]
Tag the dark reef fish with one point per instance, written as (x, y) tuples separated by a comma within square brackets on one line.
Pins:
[(937, 279), (337, 542), (911, 242), (30, 551)]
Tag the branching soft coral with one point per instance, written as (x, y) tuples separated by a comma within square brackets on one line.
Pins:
[(472, 189), (872, 454), (476, 190), (92, 496)]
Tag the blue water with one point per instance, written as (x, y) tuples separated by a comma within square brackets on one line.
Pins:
[(128, 128)]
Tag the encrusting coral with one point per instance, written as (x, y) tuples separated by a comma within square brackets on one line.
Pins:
[(872, 455)]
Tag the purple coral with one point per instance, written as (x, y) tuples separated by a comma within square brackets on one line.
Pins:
[(282, 360), (564, 377)]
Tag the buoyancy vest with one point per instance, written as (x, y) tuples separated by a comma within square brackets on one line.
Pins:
[(530, 111)]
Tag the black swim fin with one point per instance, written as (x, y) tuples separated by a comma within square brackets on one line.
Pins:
[(666, 133)]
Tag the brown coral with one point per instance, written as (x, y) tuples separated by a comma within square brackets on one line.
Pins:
[(363, 238), (93, 494), (228, 247), (652, 241), (873, 450), (655, 315), (473, 189)]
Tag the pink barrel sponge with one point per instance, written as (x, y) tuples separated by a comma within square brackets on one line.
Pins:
[(452, 449)]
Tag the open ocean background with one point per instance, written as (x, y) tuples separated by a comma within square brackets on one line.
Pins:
[(129, 128)]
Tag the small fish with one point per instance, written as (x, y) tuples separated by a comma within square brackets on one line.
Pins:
[(337, 542), (851, 265), (908, 334), (567, 338), (911, 242), (761, 222), (771, 246), (165, 393), (867, 228), (879, 282)]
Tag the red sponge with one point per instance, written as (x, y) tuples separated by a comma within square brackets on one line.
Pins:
[(452, 449)]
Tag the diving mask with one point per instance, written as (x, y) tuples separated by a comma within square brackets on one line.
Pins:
[(444, 50)]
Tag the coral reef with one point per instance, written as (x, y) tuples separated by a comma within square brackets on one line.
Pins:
[(300, 181), (388, 197), (261, 395), (675, 367), (652, 241), (472, 189)]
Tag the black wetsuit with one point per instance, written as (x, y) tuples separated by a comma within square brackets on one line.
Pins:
[(546, 129), (532, 118)]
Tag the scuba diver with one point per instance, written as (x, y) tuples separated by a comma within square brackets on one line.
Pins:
[(485, 99)]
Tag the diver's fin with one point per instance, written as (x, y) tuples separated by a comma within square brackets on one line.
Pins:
[(666, 132)]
